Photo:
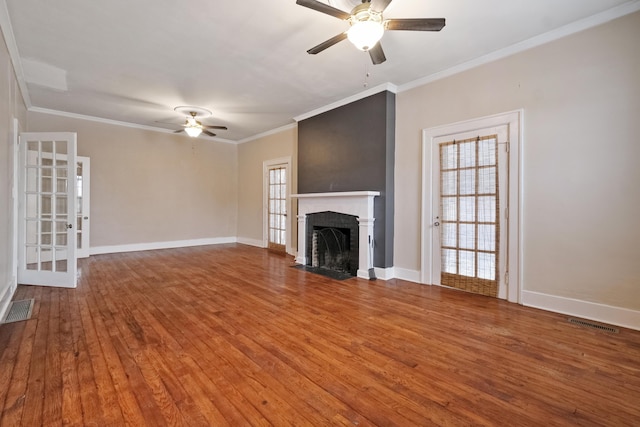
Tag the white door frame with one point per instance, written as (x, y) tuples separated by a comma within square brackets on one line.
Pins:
[(513, 120), (14, 198), (286, 162), (84, 251)]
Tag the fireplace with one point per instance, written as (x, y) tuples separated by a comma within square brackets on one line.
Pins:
[(333, 241), (345, 220)]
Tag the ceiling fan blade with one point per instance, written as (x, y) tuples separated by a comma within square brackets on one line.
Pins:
[(206, 132), (426, 24), (377, 54), (326, 44), (215, 127), (324, 8), (178, 131), (379, 5)]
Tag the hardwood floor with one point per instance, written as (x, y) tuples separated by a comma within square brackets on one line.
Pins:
[(232, 335)]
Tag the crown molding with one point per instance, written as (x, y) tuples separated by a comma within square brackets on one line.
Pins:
[(14, 54), (558, 33), (115, 122), (390, 87), (267, 133)]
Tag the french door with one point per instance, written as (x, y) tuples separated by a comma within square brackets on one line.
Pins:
[(47, 209), (470, 190), (277, 208), (277, 178)]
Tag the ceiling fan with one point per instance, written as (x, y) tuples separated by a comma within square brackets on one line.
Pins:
[(192, 126), (368, 26)]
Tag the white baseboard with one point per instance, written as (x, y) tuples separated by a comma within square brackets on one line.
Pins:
[(618, 316), (408, 275), (380, 273), (251, 242), (7, 296), (385, 273), (98, 250)]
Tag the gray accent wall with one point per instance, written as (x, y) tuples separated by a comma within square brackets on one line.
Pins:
[(352, 148)]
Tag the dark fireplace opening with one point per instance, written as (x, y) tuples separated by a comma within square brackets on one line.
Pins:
[(332, 242), (330, 248)]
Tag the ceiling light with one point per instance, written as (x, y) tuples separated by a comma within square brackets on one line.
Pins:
[(193, 131), (366, 29)]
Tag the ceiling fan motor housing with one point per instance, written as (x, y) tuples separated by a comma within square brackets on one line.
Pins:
[(366, 27)]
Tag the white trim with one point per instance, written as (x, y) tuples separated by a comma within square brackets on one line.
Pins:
[(267, 133), (86, 208), (15, 191), (116, 123), (14, 54), (135, 247), (619, 316), (337, 194), (251, 242), (558, 33), (514, 120), (408, 275), (374, 90), (384, 273), (6, 298)]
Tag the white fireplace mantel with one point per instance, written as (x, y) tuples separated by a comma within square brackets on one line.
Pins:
[(356, 203)]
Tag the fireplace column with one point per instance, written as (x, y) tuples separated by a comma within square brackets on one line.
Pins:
[(302, 239), (365, 261)]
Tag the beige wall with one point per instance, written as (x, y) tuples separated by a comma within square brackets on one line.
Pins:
[(149, 187), (11, 106), (581, 199), (251, 156)]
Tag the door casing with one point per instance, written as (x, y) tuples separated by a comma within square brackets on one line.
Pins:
[(84, 247)]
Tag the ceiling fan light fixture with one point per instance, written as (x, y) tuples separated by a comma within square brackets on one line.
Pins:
[(365, 34), (193, 131)]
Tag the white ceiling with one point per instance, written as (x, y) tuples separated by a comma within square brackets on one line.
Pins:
[(246, 61)]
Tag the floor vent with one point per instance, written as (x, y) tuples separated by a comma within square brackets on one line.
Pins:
[(593, 325), (19, 310)]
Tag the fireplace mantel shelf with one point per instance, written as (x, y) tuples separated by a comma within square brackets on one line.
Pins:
[(338, 194)]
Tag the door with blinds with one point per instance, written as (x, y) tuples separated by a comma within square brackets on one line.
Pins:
[(276, 206), (470, 206)]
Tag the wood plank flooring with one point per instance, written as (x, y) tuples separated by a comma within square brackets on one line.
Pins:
[(233, 335)]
